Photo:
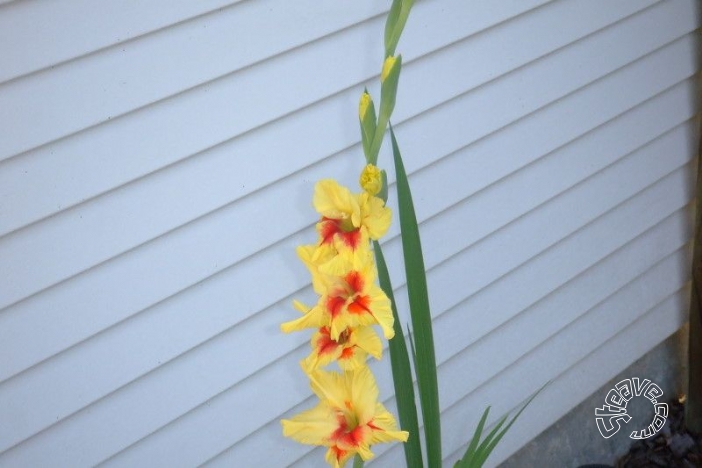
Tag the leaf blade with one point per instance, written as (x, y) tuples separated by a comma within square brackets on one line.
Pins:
[(401, 371), (419, 312)]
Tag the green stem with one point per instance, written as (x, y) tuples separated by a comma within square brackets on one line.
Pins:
[(357, 462)]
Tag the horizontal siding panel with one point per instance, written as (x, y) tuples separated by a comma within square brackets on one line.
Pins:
[(33, 33), (608, 356), (145, 294), (18, 323), (644, 252), (258, 89), (208, 50), (15, 316), (185, 325), (521, 191), (39, 242), (631, 175), (69, 158), (151, 388), (17, 326)]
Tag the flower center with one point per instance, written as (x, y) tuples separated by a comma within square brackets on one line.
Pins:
[(346, 225)]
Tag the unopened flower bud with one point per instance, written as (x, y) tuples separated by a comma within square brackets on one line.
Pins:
[(371, 179), (363, 106), (387, 67)]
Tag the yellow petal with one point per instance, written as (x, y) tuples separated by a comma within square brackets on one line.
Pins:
[(320, 357), (314, 318), (330, 387), (338, 458), (348, 258), (382, 311), (386, 429), (364, 394), (354, 362), (366, 339), (333, 201), (312, 427), (364, 451), (346, 320), (375, 216)]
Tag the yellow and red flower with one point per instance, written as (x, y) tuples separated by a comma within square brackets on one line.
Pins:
[(347, 420), (348, 222), (350, 350), (350, 300)]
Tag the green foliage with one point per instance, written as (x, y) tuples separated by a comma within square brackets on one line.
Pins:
[(388, 96), (477, 451), (368, 123), (419, 312), (395, 24), (383, 195), (401, 371)]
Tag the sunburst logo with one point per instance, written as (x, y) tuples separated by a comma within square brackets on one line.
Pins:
[(609, 418)]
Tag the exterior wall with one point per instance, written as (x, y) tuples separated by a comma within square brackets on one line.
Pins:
[(156, 173)]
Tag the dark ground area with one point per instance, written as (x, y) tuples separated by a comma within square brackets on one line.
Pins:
[(672, 447)]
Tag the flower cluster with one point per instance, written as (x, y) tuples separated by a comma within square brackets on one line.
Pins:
[(349, 418)]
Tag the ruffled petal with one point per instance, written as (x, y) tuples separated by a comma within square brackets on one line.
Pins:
[(312, 318), (334, 201), (375, 216), (312, 427), (330, 387), (381, 308), (367, 339), (384, 428), (337, 457), (324, 351), (364, 394), (313, 256)]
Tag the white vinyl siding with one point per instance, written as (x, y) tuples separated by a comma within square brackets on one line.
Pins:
[(156, 174)]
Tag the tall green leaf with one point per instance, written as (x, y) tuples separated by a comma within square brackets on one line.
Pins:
[(419, 311), (472, 447), (401, 371)]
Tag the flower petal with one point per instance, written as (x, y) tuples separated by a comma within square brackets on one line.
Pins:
[(330, 387), (375, 216), (312, 427), (334, 201), (313, 318), (364, 394), (384, 428), (367, 339)]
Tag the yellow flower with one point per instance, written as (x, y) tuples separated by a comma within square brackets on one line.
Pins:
[(371, 179), (348, 221), (313, 257), (347, 420), (387, 67), (348, 301), (349, 350)]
